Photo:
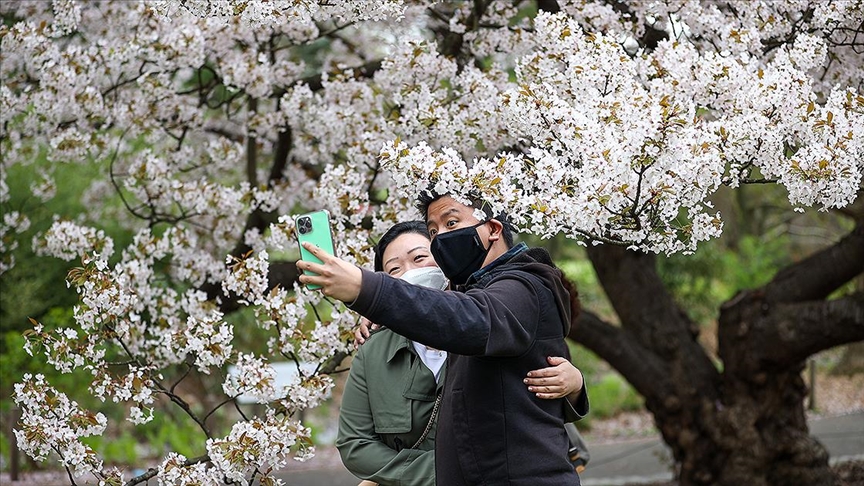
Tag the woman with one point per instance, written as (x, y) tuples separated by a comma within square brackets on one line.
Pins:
[(387, 418)]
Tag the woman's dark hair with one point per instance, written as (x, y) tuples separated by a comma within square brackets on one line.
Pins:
[(394, 232), (575, 303)]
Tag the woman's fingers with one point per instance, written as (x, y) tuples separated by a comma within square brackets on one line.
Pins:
[(543, 372), (362, 332), (557, 366), (556, 360), (553, 381), (556, 381), (547, 387), (547, 392)]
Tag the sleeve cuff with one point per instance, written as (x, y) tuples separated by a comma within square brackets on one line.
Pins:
[(578, 409), (365, 300)]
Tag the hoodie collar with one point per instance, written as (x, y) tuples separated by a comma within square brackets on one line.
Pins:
[(506, 257)]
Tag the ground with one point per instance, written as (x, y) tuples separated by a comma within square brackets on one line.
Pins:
[(848, 474)]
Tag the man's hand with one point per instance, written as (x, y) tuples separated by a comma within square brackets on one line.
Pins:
[(560, 379), (337, 278)]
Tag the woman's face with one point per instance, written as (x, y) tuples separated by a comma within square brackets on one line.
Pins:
[(407, 252)]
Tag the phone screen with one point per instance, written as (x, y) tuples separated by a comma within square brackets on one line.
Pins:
[(314, 227)]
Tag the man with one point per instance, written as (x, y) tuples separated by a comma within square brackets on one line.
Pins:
[(510, 312)]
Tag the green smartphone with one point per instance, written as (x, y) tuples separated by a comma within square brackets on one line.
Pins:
[(314, 227)]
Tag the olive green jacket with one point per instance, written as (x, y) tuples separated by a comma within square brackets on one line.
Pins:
[(386, 406)]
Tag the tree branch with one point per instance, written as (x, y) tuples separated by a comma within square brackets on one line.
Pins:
[(639, 296), (822, 273), (550, 6), (252, 150), (655, 322), (795, 330), (799, 330), (152, 472), (451, 44), (283, 274), (648, 374)]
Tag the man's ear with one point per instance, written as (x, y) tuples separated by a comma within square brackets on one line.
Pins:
[(496, 230)]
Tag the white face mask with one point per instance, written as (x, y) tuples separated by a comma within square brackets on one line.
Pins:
[(431, 277)]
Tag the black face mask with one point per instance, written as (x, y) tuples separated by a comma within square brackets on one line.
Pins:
[(459, 253)]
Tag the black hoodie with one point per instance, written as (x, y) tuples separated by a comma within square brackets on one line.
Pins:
[(508, 318)]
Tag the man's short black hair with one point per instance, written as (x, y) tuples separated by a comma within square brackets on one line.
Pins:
[(394, 232), (428, 197)]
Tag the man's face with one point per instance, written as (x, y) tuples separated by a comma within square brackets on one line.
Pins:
[(446, 214)]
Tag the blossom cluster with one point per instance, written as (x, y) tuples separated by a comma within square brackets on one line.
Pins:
[(136, 386), (261, 445), (175, 471), (744, 27), (307, 393), (68, 241), (616, 148), (289, 12), (51, 423), (254, 377)]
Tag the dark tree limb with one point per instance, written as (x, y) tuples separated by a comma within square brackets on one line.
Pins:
[(652, 36), (283, 274), (252, 150), (817, 276), (643, 370), (812, 327), (333, 364), (653, 320), (550, 6), (452, 43), (795, 330), (640, 298)]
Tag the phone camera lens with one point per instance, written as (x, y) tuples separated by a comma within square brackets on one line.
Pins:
[(304, 225)]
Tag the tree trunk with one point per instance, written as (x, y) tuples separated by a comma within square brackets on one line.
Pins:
[(740, 421), (760, 424)]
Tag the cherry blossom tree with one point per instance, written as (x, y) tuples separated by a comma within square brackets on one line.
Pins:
[(612, 122)]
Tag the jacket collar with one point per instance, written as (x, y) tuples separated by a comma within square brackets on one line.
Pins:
[(401, 343), (506, 257)]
